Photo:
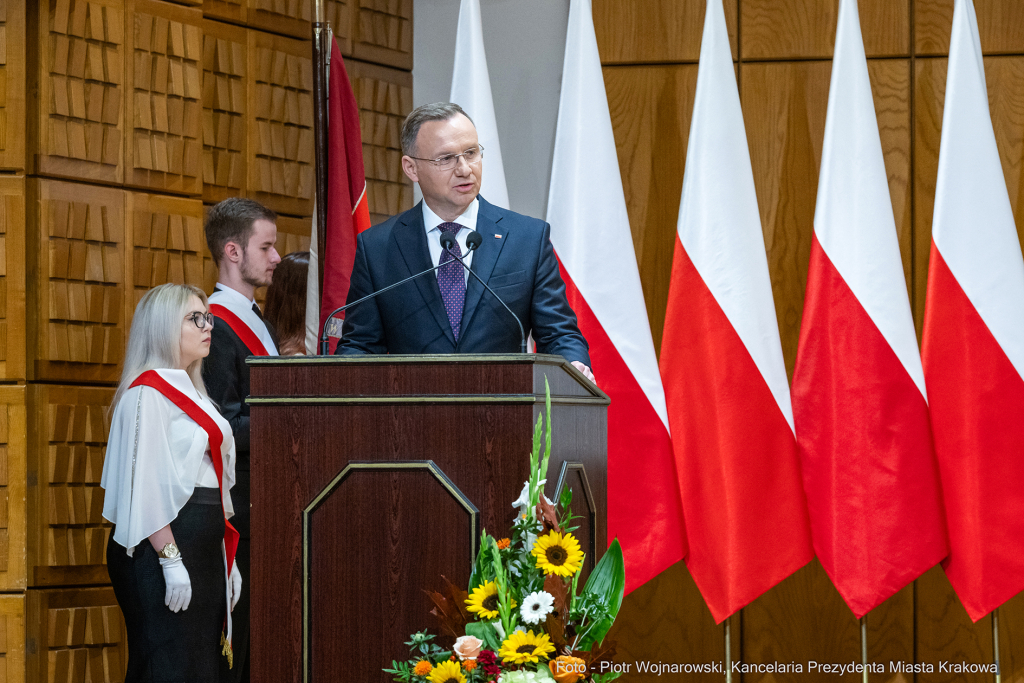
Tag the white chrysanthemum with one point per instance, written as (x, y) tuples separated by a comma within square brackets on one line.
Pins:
[(536, 606)]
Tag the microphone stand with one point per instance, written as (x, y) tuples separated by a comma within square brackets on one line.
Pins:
[(325, 344), (471, 244)]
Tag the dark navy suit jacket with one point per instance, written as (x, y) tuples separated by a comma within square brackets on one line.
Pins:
[(516, 260)]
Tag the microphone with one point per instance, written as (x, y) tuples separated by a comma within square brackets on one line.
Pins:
[(474, 240), (325, 344)]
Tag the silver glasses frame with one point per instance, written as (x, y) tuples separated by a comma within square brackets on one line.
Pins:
[(448, 162)]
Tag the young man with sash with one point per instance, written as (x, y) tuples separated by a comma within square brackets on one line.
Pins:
[(241, 235)]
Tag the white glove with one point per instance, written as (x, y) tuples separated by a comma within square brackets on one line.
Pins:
[(235, 585), (179, 586)]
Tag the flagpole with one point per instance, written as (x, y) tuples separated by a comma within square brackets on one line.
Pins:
[(864, 646), (728, 650), (321, 56), (995, 643)]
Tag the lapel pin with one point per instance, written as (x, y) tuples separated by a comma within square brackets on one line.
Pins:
[(497, 236)]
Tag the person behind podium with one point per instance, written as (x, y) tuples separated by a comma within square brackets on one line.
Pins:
[(452, 312), (241, 235), (169, 465)]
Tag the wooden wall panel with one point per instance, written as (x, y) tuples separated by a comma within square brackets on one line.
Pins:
[(165, 81), (1011, 639), (784, 112), (234, 11), (650, 108), (290, 17), (75, 635), (382, 32), (166, 235), (281, 123), (13, 483), (1000, 26), (339, 16), (639, 31), (12, 637), (75, 281), (667, 620), (12, 84), (225, 111), (384, 97), (12, 278), (67, 533), (293, 234), (77, 128), (945, 632), (791, 29)]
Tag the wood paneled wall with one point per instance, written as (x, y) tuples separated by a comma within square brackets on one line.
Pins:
[(783, 50), (121, 122)]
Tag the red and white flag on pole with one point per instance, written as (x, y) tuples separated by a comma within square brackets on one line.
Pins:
[(471, 89), (858, 388), (973, 347), (721, 361), (591, 235), (348, 210)]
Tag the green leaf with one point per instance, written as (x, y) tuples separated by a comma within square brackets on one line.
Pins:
[(484, 630), (566, 500), (607, 583), (605, 678), (483, 570)]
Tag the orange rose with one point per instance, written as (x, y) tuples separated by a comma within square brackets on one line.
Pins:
[(567, 669)]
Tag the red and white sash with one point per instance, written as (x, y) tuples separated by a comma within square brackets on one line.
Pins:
[(238, 326), (152, 379)]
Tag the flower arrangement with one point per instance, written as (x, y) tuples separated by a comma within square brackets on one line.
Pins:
[(523, 618)]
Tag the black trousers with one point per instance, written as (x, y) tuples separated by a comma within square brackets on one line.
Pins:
[(164, 646)]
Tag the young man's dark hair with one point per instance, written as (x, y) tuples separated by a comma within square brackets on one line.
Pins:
[(232, 221)]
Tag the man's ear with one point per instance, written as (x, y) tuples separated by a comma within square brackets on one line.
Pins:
[(233, 252), (409, 166)]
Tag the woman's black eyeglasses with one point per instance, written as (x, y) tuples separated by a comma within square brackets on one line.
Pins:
[(201, 319)]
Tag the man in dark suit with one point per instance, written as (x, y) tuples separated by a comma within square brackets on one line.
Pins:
[(452, 312), (241, 234)]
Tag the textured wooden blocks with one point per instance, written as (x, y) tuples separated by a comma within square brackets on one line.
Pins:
[(74, 636), (80, 83), (225, 103), (281, 127), (384, 97), (67, 532), (12, 79), (382, 32), (12, 278), (164, 149), (291, 17), (12, 637), (75, 299), (13, 481)]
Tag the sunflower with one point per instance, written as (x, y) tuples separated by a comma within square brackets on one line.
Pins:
[(447, 672), (483, 601), (558, 554), (522, 648)]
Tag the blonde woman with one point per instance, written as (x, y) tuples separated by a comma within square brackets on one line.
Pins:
[(168, 471)]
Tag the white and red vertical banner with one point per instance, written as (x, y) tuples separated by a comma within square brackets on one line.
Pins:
[(591, 235), (973, 346), (859, 396), (721, 361), (471, 89)]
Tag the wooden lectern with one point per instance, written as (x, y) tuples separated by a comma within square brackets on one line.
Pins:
[(374, 476)]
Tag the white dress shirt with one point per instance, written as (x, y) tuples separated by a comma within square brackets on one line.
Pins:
[(468, 222), (241, 306)]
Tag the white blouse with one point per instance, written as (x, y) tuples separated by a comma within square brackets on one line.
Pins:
[(154, 459)]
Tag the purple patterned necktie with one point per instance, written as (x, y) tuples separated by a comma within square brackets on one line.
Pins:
[(451, 280)]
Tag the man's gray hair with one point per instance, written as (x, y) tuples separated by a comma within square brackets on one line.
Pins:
[(438, 111)]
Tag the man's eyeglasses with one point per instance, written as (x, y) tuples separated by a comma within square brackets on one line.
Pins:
[(450, 161), (201, 320)]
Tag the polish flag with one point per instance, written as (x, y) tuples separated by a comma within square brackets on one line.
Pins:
[(858, 388), (471, 89), (591, 235), (721, 361), (973, 348)]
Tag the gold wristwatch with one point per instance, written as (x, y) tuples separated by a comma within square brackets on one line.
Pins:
[(169, 552)]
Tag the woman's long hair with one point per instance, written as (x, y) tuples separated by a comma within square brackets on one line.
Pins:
[(285, 308), (154, 341)]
